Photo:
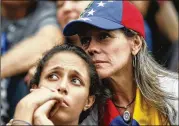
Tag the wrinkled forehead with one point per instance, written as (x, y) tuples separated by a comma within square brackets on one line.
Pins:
[(68, 60)]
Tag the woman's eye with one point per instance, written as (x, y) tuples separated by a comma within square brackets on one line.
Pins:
[(76, 81), (53, 77), (103, 36), (85, 41)]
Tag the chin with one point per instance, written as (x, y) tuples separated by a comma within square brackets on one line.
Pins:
[(103, 74), (62, 118), (59, 120)]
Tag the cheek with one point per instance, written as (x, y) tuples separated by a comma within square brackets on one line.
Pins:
[(77, 102), (48, 84), (79, 95), (60, 17), (122, 53), (120, 56), (43, 83)]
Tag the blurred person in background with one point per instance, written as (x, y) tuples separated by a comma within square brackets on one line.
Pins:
[(143, 8), (162, 17), (68, 11), (164, 44), (167, 21), (27, 30)]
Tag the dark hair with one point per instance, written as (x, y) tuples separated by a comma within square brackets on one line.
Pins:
[(95, 84)]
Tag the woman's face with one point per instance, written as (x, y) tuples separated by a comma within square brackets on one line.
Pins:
[(67, 73), (109, 50), (70, 10)]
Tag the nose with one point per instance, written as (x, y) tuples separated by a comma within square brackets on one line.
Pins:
[(93, 48), (62, 87)]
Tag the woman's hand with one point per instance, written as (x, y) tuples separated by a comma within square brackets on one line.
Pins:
[(42, 113), (27, 106)]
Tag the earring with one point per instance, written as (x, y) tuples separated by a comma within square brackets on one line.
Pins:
[(85, 108), (134, 61)]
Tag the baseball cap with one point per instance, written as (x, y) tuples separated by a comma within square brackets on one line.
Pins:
[(108, 15)]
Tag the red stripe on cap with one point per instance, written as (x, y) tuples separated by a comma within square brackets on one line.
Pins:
[(132, 18)]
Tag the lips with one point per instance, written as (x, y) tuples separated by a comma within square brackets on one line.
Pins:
[(57, 106), (98, 61), (64, 104)]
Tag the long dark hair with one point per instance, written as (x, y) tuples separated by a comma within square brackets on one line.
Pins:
[(96, 87)]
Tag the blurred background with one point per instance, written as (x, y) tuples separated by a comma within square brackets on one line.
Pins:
[(30, 27)]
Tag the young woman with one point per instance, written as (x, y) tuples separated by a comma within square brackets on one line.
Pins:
[(143, 93), (64, 88)]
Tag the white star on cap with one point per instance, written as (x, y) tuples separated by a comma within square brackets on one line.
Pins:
[(101, 4), (84, 19), (91, 12)]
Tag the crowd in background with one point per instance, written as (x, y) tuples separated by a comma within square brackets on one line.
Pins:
[(30, 28)]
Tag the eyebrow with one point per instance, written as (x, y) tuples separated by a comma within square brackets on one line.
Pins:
[(71, 70)]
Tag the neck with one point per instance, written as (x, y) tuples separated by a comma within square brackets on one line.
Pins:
[(123, 86), (14, 13)]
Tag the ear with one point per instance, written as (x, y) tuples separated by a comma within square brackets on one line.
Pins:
[(89, 102), (136, 45)]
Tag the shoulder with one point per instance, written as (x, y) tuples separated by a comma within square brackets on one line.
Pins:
[(41, 17), (92, 118), (43, 6), (41, 13), (169, 84)]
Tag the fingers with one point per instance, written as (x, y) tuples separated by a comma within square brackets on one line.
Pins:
[(53, 90), (42, 113), (45, 108), (43, 94)]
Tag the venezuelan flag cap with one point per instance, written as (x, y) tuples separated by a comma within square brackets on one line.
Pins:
[(108, 15)]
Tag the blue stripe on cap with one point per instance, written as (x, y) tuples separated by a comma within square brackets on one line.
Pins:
[(107, 12), (102, 14)]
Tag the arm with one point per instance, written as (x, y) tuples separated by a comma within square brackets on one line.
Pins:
[(142, 6), (24, 55), (167, 20)]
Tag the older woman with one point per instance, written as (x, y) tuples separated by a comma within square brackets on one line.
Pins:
[(65, 87), (112, 33)]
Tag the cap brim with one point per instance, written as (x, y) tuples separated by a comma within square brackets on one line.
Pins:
[(73, 27)]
